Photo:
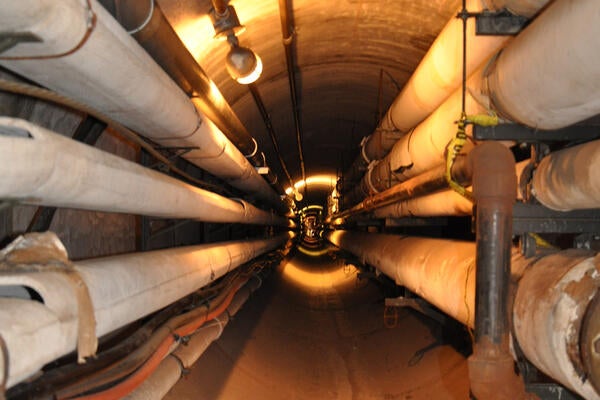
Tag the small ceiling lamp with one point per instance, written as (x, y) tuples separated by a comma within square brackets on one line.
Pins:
[(243, 64)]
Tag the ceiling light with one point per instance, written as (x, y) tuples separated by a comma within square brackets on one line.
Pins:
[(243, 64)]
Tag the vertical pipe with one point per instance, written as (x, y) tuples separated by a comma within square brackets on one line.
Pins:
[(491, 367)]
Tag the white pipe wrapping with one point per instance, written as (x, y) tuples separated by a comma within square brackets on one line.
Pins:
[(440, 71), (551, 301), (85, 54), (50, 169), (549, 76), (438, 75), (122, 289), (441, 271), (447, 202), (554, 292), (568, 179)]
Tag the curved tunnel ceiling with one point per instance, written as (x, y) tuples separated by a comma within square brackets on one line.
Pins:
[(345, 51)]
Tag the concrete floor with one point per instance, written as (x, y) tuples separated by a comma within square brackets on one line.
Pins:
[(313, 331)]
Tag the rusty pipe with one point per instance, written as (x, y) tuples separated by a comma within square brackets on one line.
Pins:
[(491, 367)]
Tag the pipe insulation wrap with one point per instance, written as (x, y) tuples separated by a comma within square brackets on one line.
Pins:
[(436, 269), (551, 301), (134, 91), (49, 169), (122, 289), (568, 179), (564, 88), (82, 44), (554, 294)]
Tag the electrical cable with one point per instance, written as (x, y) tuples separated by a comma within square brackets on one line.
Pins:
[(139, 376)]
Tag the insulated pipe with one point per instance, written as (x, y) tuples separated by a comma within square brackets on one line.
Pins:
[(146, 22), (122, 289), (85, 54), (568, 179), (439, 270), (547, 312), (439, 73), (555, 317), (516, 92), (174, 366), (41, 167), (423, 148), (444, 203), (565, 88)]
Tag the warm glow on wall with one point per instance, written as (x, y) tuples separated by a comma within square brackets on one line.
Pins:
[(323, 181), (315, 279)]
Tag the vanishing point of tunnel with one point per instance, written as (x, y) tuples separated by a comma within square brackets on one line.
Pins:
[(300, 199)]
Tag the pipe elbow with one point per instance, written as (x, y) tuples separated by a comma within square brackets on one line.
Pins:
[(493, 167)]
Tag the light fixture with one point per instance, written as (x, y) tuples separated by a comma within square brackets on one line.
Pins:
[(243, 64)]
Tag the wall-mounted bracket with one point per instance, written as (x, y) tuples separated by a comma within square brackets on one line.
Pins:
[(501, 23)]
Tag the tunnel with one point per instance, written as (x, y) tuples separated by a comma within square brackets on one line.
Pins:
[(299, 199)]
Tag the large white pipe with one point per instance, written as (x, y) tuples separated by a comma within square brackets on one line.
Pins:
[(447, 202), (43, 167), (439, 73), (85, 54), (555, 293), (441, 271), (564, 91), (549, 76), (122, 289), (569, 179)]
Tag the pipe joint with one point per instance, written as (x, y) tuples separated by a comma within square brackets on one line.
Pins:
[(493, 167)]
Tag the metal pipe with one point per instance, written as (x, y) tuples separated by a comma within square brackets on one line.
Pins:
[(568, 179), (271, 131), (439, 270), (424, 184), (566, 87), (447, 202), (436, 77), (556, 319), (509, 87), (122, 289), (555, 294), (288, 40), (424, 147), (42, 167), (146, 22), (491, 367), (80, 40)]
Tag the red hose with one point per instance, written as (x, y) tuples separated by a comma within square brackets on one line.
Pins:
[(138, 377)]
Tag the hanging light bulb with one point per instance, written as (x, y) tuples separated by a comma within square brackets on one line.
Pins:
[(243, 64)]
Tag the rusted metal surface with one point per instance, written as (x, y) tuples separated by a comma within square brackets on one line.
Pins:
[(492, 374), (552, 301)]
